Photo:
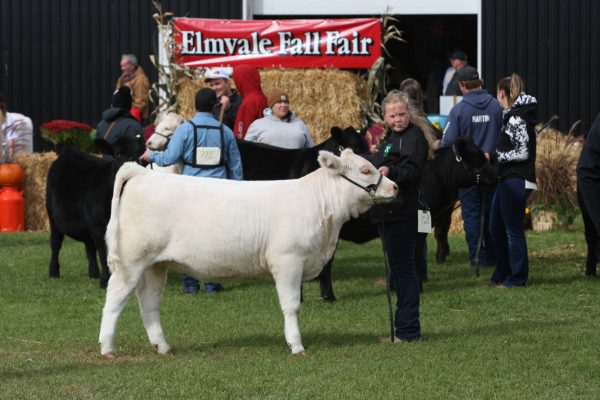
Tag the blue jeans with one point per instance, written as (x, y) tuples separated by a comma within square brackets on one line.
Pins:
[(470, 204), (506, 227), (192, 285), (399, 243)]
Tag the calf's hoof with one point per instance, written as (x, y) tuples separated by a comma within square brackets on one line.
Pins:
[(297, 350), (302, 353), (107, 350), (328, 298), (162, 349)]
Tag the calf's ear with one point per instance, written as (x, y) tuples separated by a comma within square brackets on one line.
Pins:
[(103, 147), (460, 146), (329, 160), (336, 133)]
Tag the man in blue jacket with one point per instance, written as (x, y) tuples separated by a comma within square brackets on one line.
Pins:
[(479, 117), (208, 149)]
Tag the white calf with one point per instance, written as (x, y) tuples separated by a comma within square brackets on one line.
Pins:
[(158, 141), (214, 228)]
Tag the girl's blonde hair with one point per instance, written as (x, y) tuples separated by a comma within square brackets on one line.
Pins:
[(416, 114)]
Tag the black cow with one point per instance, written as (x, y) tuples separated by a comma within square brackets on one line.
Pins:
[(79, 190), (588, 194), (460, 166), (264, 162)]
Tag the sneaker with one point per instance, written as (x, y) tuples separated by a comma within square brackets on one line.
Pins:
[(213, 287), (387, 339)]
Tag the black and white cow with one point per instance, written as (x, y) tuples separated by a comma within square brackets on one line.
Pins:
[(78, 193)]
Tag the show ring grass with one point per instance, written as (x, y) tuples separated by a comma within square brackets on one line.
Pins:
[(478, 342)]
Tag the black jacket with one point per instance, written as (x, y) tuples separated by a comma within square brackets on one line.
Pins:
[(125, 125), (229, 115), (405, 155), (588, 173)]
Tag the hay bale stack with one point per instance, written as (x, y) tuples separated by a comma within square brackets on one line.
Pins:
[(35, 166), (186, 94), (456, 224), (322, 98)]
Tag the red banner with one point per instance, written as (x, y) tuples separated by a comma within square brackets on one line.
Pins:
[(306, 43)]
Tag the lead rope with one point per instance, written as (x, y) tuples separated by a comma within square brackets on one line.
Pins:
[(481, 232), (388, 277)]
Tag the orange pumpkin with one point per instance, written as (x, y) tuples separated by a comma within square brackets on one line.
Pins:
[(11, 175)]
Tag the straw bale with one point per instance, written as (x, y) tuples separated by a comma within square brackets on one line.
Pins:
[(35, 166), (322, 98), (456, 224), (186, 94)]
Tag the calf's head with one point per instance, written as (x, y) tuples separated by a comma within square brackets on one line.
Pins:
[(369, 185), (350, 138), (473, 159), (163, 131), (124, 149)]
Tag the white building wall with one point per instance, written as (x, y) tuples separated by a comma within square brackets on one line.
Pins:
[(364, 7)]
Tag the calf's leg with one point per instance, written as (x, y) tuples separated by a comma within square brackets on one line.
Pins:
[(120, 287), (593, 246), (56, 240), (591, 238), (288, 282), (90, 252), (442, 227), (149, 290), (98, 234), (325, 282)]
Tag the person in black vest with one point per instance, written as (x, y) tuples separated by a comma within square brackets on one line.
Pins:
[(117, 120), (515, 153)]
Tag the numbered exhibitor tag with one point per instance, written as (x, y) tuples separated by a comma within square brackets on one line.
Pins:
[(208, 155), (530, 185), (424, 217)]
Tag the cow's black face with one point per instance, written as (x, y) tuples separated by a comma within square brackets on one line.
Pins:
[(474, 160), (350, 138), (123, 150)]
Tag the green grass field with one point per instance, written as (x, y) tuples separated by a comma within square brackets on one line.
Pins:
[(541, 342)]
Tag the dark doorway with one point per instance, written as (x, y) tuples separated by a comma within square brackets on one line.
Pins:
[(424, 55), (430, 40)]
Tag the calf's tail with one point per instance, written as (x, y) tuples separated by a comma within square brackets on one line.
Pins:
[(125, 173)]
